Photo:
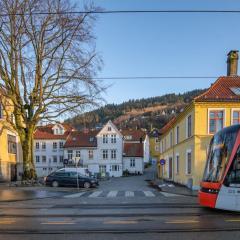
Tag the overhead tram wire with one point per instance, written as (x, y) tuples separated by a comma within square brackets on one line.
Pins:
[(125, 12), (152, 77)]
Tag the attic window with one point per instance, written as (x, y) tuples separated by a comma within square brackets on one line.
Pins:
[(129, 137), (236, 90), (91, 139), (109, 129)]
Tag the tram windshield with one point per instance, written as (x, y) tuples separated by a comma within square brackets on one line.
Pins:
[(220, 150)]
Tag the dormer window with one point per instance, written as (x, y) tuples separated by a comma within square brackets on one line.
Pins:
[(91, 139), (56, 131), (236, 90)]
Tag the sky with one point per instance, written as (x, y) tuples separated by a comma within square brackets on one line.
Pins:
[(164, 44)]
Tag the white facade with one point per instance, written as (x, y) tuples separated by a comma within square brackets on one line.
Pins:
[(133, 164), (49, 153), (110, 150), (87, 156), (48, 159)]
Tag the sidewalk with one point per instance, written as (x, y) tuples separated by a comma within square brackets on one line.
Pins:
[(174, 188)]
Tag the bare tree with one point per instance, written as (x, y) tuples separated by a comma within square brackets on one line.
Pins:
[(47, 64)]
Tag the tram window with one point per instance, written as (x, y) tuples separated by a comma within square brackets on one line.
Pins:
[(233, 176)]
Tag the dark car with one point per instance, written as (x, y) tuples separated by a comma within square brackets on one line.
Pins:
[(62, 178)]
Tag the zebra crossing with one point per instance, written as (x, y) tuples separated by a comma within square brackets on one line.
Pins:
[(114, 194)]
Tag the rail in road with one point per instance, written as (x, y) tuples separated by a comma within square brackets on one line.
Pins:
[(116, 218)]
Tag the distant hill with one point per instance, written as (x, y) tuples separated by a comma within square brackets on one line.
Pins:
[(145, 113)]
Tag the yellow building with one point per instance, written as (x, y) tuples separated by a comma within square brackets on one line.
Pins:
[(10, 148), (154, 144), (185, 139)]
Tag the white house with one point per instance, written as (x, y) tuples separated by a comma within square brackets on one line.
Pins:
[(138, 136), (81, 149), (133, 158), (48, 147), (110, 150)]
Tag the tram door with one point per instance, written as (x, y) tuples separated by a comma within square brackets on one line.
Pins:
[(229, 195)]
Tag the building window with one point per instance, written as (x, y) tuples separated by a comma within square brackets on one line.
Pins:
[(113, 138), (171, 139), (44, 159), (156, 148), (61, 144), (90, 154), (236, 117), (115, 168), (109, 129), (113, 154), (12, 144), (55, 159), (177, 135), (189, 163), (1, 111), (177, 164), (132, 162), (37, 145), (54, 145), (37, 159), (105, 154), (43, 146), (189, 126), (215, 121), (105, 138), (78, 154), (61, 159), (44, 169), (70, 154)]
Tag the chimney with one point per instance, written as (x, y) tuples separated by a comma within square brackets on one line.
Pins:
[(232, 63)]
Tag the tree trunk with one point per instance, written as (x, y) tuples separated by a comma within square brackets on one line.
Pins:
[(27, 148)]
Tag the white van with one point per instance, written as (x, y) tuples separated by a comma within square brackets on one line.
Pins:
[(80, 170)]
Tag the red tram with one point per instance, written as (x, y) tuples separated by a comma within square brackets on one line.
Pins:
[(220, 187)]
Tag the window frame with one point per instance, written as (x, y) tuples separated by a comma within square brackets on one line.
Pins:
[(189, 116), (208, 122), (188, 151), (232, 111)]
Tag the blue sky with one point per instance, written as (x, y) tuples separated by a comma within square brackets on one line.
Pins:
[(164, 45)]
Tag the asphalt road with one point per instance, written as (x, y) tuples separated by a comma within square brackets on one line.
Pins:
[(123, 208)]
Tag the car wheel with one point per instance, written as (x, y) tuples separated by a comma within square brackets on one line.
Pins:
[(55, 184), (87, 185)]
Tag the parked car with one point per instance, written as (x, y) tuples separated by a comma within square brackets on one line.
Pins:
[(70, 178), (80, 170)]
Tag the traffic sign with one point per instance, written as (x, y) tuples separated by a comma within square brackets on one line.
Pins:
[(162, 162)]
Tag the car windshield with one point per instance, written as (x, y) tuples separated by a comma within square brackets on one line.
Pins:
[(219, 153)]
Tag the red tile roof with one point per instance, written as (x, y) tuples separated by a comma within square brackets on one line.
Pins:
[(221, 90), (133, 150), (82, 139), (136, 135), (46, 132)]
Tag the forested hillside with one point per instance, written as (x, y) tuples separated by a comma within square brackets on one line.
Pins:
[(146, 113)]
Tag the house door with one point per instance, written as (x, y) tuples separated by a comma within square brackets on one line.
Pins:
[(103, 170), (170, 168), (13, 172)]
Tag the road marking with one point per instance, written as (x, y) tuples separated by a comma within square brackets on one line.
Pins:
[(58, 223), (112, 194), (121, 222), (232, 220), (182, 221), (169, 194), (6, 221), (149, 194), (95, 194), (129, 194), (75, 195)]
